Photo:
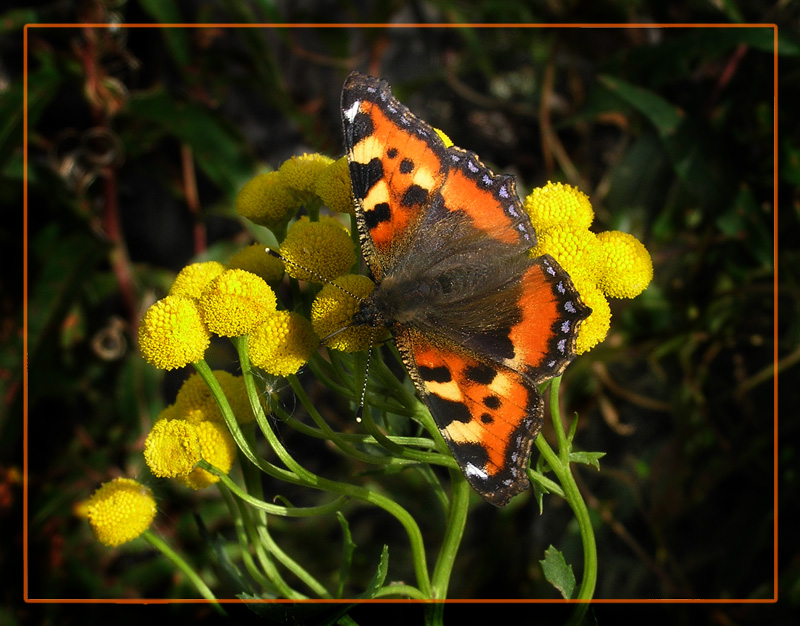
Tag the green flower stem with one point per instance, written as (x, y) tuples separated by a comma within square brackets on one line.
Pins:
[(400, 591), (329, 375), (182, 565), (292, 565), (328, 432), (561, 467), (233, 426), (303, 476), (273, 509), (283, 589), (454, 531), (550, 485), (239, 515)]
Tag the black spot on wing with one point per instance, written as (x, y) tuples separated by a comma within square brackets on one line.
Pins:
[(391, 153), (364, 176), (446, 411), (380, 213), (492, 402), (481, 374), (435, 374), (406, 166), (414, 195)]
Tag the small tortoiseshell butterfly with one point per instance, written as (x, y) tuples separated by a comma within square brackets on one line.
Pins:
[(479, 323)]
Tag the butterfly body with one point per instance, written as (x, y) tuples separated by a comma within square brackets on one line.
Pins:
[(479, 323)]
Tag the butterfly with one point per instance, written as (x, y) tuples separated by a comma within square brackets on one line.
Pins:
[(478, 323)]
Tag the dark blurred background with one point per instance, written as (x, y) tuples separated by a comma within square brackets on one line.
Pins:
[(139, 138)]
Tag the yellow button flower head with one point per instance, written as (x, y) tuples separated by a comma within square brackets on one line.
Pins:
[(235, 302), (195, 395), (236, 392), (333, 310), (267, 200), (256, 260), (192, 279), (333, 187), (120, 510), (282, 344), (172, 333), (322, 247), (575, 249), (300, 174), (217, 447), (172, 448), (195, 402), (556, 203), (594, 328), (627, 266)]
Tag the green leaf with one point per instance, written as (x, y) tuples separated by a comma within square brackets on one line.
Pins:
[(539, 490), (662, 114), (217, 148), (348, 548), (380, 574), (589, 458), (558, 573), (573, 427)]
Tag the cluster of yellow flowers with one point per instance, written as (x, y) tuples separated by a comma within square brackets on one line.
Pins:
[(273, 198), (193, 428), (236, 299), (610, 264)]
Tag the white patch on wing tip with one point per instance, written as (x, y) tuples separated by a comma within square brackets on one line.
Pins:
[(471, 469), (350, 114)]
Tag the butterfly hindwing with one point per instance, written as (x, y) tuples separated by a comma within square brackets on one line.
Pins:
[(489, 415)]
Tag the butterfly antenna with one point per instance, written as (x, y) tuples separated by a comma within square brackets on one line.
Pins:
[(360, 410), (316, 275), (327, 281)]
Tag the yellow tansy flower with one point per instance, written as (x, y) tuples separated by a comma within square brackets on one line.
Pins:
[(236, 302), (324, 248), (217, 447), (195, 402), (192, 279), (172, 333), (333, 309), (236, 392), (172, 448), (627, 266), (120, 510), (267, 200), (556, 203), (594, 328), (282, 344), (447, 141), (256, 260), (195, 394), (333, 187), (575, 249), (300, 173)]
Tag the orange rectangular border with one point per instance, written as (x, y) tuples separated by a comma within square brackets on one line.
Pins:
[(27, 599)]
